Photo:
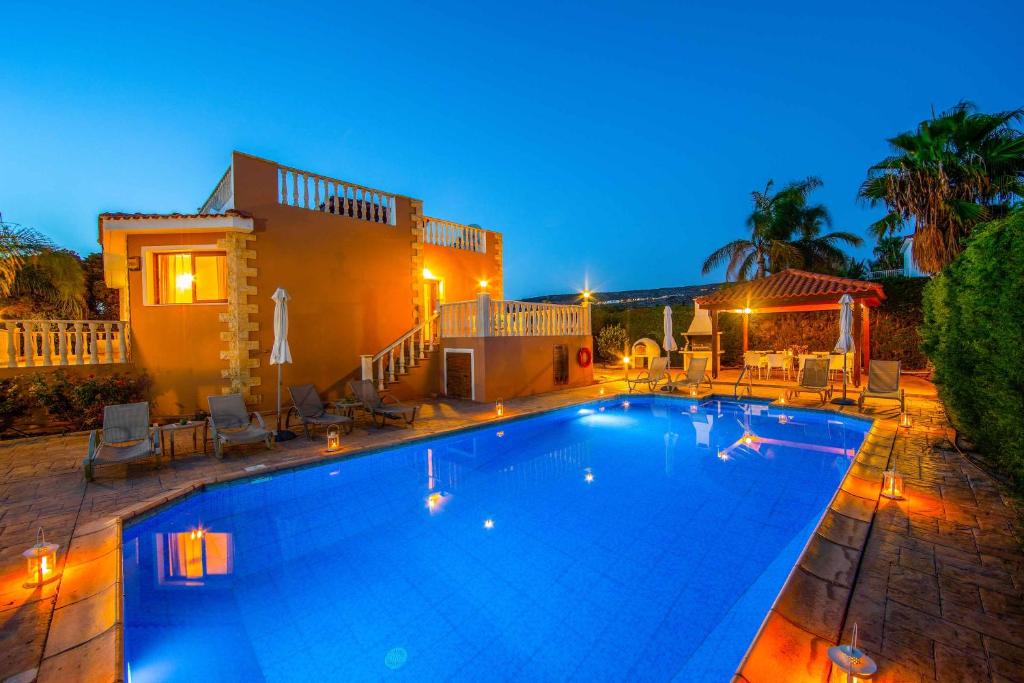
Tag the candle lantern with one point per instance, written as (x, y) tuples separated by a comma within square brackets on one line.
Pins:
[(905, 421), (693, 392), (892, 485), (333, 438), (782, 399), (852, 660), (499, 408), (41, 560)]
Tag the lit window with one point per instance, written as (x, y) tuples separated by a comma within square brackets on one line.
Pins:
[(190, 277)]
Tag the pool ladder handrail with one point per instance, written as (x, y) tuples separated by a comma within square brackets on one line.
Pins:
[(736, 386)]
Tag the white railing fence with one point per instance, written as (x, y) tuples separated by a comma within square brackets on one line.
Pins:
[(43, 343), (222, 197), (881, 274), (397, 357), (319, 193), (483, 317), (448, 234)]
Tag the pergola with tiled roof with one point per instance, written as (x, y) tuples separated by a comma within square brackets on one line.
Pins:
[(794, 291)]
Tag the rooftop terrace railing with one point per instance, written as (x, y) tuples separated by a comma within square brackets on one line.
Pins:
[(482, 317), (43, 343), (449, 234), (319, 193), (882, 274)]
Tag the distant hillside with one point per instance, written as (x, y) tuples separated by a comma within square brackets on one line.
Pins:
[(636, 298)]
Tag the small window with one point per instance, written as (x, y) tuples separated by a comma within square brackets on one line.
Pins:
[(560, 362), (190, 277)]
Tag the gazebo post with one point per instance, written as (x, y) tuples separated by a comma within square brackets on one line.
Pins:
[(746, 325), (865, 339), (714, 343), (858, 329)]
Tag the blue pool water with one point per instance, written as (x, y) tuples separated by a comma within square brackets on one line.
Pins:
[(639, 542)]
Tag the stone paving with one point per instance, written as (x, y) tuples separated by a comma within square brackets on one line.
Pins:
[(938, 593)]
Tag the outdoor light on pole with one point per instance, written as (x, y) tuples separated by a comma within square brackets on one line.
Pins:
[(625, 367)]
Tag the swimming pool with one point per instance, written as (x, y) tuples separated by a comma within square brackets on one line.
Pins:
[(639, 539)]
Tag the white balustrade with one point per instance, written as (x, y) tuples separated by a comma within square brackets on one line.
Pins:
[(44, 343), (401, 354), (455, 235), (483, 317), (319, 193)]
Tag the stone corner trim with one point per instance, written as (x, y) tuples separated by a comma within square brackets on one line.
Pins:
[(808, 615), (240, 318)]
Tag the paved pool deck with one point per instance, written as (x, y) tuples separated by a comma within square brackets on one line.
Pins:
[(935, 582)]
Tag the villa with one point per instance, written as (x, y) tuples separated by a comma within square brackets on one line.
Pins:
[(379, 290)]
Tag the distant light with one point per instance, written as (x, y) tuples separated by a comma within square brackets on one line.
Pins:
[(500, 434), (723, 455), (600, 392), (588, 476), (625, 360), (488, 523), (747, 311), (625, 404), (586, 293)]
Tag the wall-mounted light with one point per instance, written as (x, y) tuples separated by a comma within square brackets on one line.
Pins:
[(41, 561), (483, 284)]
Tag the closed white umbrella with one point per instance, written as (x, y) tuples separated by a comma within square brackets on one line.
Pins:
[(281, 353), (668, 342), (845, 343)]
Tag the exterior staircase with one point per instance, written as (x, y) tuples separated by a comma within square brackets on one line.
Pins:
[(409, 358)]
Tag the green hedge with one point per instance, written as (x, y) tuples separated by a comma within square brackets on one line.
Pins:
[(974, 334)]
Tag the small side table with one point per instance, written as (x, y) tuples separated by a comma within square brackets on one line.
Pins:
[(172, 428), (347, 407)]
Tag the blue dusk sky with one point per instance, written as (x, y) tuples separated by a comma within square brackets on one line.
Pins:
[(612, 143)]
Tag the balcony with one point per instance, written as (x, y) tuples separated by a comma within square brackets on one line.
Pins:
[(46, 343)]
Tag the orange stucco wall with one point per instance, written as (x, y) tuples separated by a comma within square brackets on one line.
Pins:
[(461, 271), (506, 367), (177, 345)]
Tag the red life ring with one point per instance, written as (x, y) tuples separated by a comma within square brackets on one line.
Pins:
[(583, 357)]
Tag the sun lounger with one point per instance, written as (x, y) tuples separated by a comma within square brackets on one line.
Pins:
[(126, 436), (883, 383), (813, 379), (311, 411), (231, 424), (655, 374), (696, 374), (376, 403)]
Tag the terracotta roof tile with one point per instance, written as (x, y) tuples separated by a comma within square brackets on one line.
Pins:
[(172, 216), (790, 286)]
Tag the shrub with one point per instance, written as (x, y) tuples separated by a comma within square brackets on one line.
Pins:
[(80, 401), (14, 402), (611, 340), (973, 332)]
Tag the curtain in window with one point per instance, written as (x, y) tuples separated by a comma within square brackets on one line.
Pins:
[(174, 285)]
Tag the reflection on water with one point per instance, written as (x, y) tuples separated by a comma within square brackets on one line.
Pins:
[(608, 541)]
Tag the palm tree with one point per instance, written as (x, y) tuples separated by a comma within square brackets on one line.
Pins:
[(888, 253), (785, 232), (17, 243), (50, 284), (956, 170)]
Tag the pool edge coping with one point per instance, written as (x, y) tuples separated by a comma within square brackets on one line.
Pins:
[(85, 637)]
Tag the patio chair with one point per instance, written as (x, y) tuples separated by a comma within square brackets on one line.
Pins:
[(781, 362), (696, 374), (374, 402), (122, 424), (231, 424), (657, 373), (814, 379), (753, 360), (311, 411), (883, 383)]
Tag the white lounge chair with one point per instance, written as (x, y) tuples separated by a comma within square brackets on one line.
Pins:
[(231, 424), (126, 436)]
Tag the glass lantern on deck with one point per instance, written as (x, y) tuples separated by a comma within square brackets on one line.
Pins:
[(41, 561), (892, 485), (333, 438), (499, 408)]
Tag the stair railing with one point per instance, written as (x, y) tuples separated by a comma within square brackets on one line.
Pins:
[(397, 357)]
